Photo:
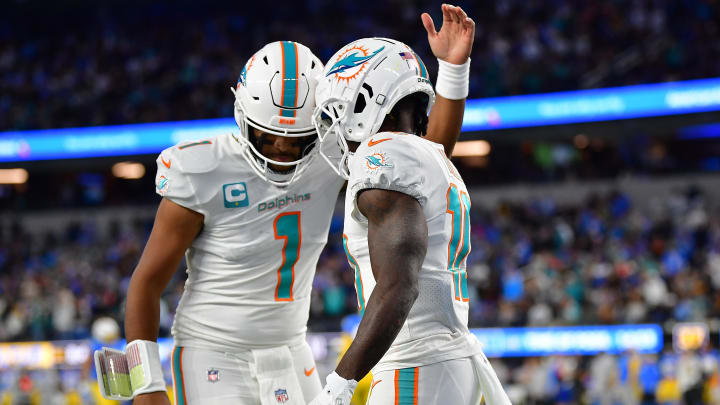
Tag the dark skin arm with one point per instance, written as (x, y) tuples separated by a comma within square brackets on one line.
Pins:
[(453, 44), (174, 230), (445, 122), (397, 239)]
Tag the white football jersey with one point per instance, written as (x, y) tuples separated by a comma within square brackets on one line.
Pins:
[(251, 268), (436, 328)]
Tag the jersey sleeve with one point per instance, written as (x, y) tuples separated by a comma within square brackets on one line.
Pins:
[(184, 174), (390, 161), (172, 182)]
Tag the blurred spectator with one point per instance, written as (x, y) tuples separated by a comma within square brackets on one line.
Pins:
[(64, 314), (690, 378), (648, 379), (668, 390)]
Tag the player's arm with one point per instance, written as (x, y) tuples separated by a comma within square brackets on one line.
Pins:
[(452, 44), (174, 230), (397, 239)]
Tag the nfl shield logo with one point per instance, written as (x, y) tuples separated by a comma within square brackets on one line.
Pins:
[(213, 375), (281, 396)]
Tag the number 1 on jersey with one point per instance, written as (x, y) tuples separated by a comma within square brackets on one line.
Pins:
[(287, 227)]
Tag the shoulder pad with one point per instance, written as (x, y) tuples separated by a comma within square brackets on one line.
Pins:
[(181, 172), (390, 140), (391, 161), (193, 157)]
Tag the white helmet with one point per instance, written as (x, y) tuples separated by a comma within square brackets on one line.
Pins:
[(361, 84), (275, 93)]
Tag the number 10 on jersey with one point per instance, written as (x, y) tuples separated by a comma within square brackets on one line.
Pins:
[(287, 227), (459, 246)]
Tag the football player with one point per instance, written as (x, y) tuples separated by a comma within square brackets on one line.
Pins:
[(251, 214), (407, 229)]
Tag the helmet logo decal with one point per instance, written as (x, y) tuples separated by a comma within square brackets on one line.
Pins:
[(423, 69), (351, 62), (243, 73), (410, 55)]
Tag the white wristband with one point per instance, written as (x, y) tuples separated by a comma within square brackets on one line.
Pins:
[(144, 365), (453, 81), (336, 384)]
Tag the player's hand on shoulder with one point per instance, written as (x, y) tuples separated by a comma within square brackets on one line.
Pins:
[(453, 43), (153, 398), (337, 391)]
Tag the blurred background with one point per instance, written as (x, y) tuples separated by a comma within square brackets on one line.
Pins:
[(591, 146)]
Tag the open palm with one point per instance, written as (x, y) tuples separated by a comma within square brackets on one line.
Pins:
[(454, 41)]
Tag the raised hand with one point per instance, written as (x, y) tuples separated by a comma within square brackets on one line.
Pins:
[(454, 41)]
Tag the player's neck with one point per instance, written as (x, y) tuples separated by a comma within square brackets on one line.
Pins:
[(402, 122)]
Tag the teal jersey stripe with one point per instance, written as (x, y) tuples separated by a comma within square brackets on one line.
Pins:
[(465, 248), (459, 245), (179, 389), (358, 280), (464, 285), (195, 144), (290, 78), (406, 386), (423, 69), (456, 208)]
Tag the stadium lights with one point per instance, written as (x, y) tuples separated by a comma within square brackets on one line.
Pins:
[(482, 114), (471, 148), (128, 170), (13, 176)]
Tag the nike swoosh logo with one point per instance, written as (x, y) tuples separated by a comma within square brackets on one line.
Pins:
[(373, 143), (167, 164), (308, 372)]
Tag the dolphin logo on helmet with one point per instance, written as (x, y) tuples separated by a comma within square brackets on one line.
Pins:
[(351, 61), (352, 103)]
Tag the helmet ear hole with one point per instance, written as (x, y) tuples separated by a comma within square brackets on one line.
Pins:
[(360, 104)]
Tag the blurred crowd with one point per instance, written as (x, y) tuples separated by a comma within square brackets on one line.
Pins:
[(608, 260), (689, 378), (601, 262), (105, 63), (53, 286), (605, 261)]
